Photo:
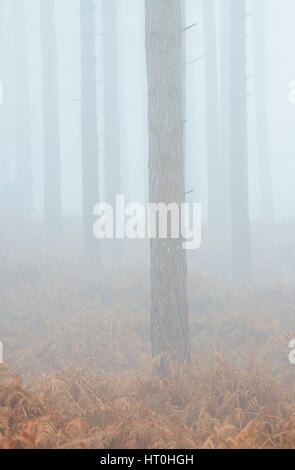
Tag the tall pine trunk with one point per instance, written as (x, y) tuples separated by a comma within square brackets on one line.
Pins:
[(4, 128), (51, 138), (212, 110), (261, 102), (169, 311), (241, 244), (112, 155), (23, 177), (224, 110), (90, 179)]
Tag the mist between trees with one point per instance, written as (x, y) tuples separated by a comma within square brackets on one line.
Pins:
[(170, 103)]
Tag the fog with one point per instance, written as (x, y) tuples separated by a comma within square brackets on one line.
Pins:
[(113, 109), (133, 99), (132, 82)]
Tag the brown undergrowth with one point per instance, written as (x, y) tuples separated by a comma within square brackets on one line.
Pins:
[(77, 371)]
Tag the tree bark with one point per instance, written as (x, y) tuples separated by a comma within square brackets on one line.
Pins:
[(169, 311)]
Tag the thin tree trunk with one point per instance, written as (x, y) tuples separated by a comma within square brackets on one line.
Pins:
[(241, 244), (184, 70), (23, 177), (4, 128), (52, 164), (224, 110), (169, 314), (111, 103), (90, 180), (262, 122), (211, 80)]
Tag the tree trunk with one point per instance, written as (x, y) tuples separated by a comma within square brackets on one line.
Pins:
[(5, 157), (262, 123), (169, 314), (23, 177), (212, 135), (224, 111), (241, 244), (111, 110), (52, 164), (90, 180)]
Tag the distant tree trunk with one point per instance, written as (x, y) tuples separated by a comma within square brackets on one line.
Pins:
[(211, 80), (111, 107), (184, 69), (241, 244), (5, 176), (4, 152), (52, 164), (90, 179), (23, 177), (169, 315), (224, 110), (262, 122)]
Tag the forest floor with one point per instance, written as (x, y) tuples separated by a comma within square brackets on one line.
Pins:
[(77, 362)]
